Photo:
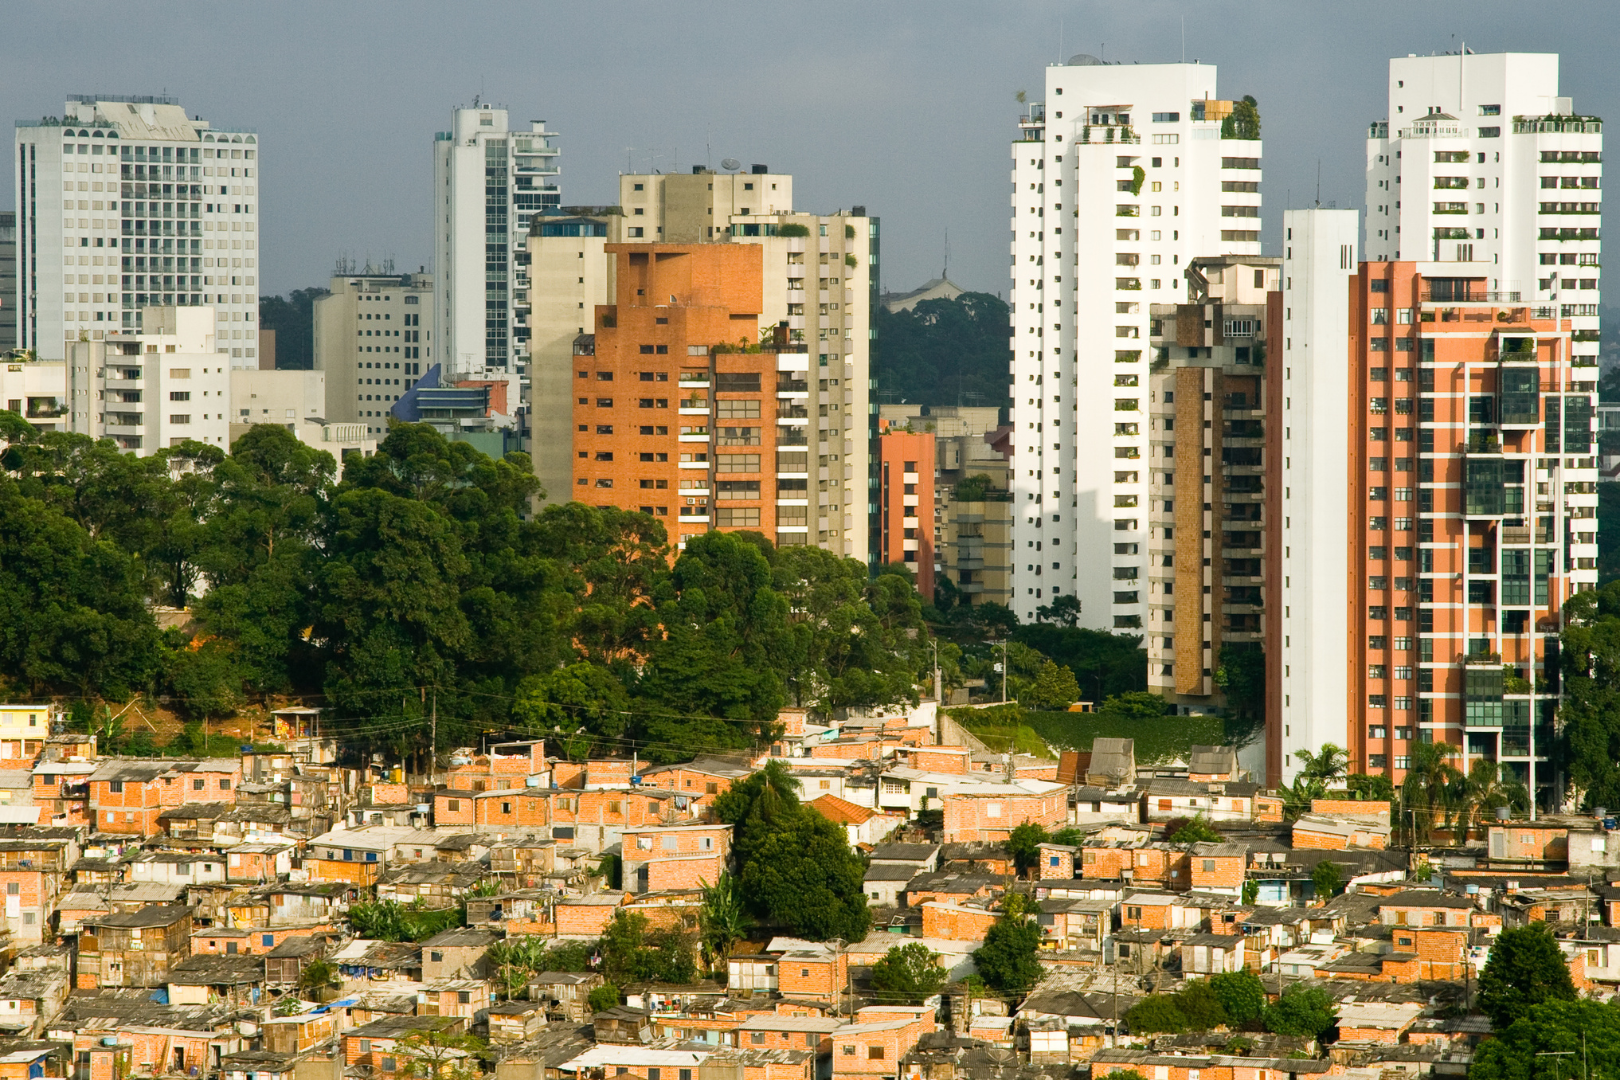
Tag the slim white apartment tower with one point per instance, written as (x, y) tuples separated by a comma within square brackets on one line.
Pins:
[(1121, 176), (1480, 160), (488, 181), (1319, 259), (129, 203)]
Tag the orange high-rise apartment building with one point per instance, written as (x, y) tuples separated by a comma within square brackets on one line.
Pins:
[(678, 410), (1439, 507), (906, 511)]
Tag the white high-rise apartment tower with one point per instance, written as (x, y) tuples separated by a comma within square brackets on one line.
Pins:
[(488, 181), (1461, 170), (126, 204), (1120, 177)]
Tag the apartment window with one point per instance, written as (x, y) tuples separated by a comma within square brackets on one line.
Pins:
[(874, 1053)]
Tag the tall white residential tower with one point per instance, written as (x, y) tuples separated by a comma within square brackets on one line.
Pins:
[(1480, 160), (1120, 177), (126, 204), (488, 181)]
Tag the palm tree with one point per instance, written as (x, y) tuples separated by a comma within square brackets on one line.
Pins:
[(1298, 796), (317, 977), (1480, 793), (1326, 765), (1428, 792), (514, 961), (721, 919)]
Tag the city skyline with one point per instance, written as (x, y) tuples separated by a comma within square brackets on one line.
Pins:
[(896, 125)]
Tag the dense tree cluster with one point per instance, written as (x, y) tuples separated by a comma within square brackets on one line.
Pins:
[(943, 352), (420, 580), (1006, 961), (1526, 968), (796, 868), (1236, 999)]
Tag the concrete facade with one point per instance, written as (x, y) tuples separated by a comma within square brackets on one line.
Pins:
[(130, 204)]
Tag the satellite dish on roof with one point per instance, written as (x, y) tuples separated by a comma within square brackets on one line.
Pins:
[(1084, 60), (730, 163)]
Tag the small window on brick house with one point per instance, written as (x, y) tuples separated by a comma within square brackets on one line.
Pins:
[(464, 997), (804, 973), (654, 1073), (874, 1053), (757, 1038), (435, 956), (711, 789), (1209, 866), (388, 1064), (847, 1051)]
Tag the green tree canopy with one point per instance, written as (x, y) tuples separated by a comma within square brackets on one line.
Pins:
[(908, 974), (632, 953), (1524, 969), (1055, 688), (1242, 996), (943, 352), (1301, 1010), (1553, 1040), (1156, 1014), (797, 869), (1024, 843), (1007, 960)]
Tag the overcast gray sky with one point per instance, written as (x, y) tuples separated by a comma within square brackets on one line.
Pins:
[(901, 105)]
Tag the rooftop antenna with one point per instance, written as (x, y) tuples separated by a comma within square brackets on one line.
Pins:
[(1184, 39), (1318, 183), (946, 273)]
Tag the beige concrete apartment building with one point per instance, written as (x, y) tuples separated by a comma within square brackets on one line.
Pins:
[(373, 340)]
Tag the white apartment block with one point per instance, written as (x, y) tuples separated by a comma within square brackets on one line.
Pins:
[(1480, 160), (153, 388), (1120, 177), (126, 204), (1319, 259), (488, 181), (373, 340)]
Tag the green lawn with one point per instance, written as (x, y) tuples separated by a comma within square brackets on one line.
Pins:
[(1021, 738), (1157, 740)]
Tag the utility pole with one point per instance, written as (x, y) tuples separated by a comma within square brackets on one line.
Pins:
[(939, 686), (1003, 644)]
